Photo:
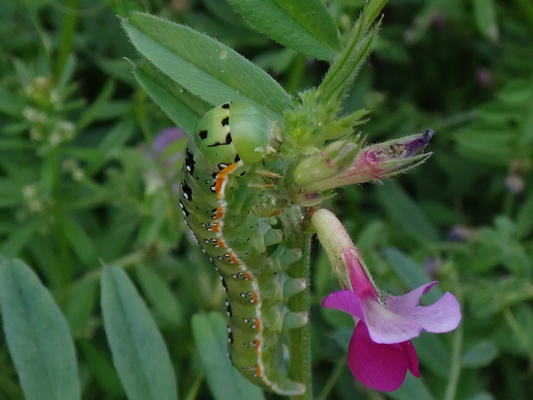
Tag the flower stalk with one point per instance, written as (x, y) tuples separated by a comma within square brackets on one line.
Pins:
[(299, 345)]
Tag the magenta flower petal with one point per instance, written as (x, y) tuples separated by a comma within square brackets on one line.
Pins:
[(380, 366), (442, 316), (411, 357), (346, 301)]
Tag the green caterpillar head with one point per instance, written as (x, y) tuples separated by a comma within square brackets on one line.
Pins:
[(236, 131)]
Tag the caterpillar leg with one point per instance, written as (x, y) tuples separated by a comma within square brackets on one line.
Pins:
[(292, 320), (293, 286)]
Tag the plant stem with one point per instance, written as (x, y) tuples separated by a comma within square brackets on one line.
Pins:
[(335, 375), (451, 389), (67, 35), (456, 363), (299, 338)]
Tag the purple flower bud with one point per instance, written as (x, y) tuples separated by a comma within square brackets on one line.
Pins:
[(164, 152), (335, 167), (483, 77)]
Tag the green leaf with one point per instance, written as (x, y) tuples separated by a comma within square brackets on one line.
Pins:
[(433, 354), (485, 16), (304, 25), (82, 301), (225, 382), (158, 292), (412, 388), (139, 352), (101, 366), (19, 237), (353, 55), (405, 212), (411, 273), (524, 219), (203, 66), (480, 355), (181, 106), (490, 147), (94, 109), (37, 336), (80, 242), (10, 104)]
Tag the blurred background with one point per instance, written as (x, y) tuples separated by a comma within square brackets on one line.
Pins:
[(77, 186)]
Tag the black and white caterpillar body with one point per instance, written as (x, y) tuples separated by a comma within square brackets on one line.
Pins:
[(229, 201)]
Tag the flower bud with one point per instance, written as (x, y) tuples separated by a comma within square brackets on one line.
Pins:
[(334, 166)]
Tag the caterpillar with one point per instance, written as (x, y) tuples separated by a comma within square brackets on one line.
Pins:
[(229, 200)]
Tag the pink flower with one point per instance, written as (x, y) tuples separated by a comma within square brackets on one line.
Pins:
[(381, 351)]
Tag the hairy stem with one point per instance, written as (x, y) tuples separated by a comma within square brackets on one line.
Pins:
[(299, 338)]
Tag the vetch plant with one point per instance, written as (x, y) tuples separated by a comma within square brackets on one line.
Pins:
[(262, 157), (256, 162)]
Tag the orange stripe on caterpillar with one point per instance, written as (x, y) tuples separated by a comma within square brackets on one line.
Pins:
[(221, 178)]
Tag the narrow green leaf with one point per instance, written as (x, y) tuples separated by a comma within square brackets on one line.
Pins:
[(203, 66), (19, 237), (101, 366), (353, 55), (80, 242), (304, 25), (485, 16), (481, 354), (94, 110), (411, 273), (139, 352), (493, 147), (524, 219), (10, 104), (412, 388), (158, 292), (181, 106), (433, 354), (404, 211), (225, 382), (82, 301), (37, 336)]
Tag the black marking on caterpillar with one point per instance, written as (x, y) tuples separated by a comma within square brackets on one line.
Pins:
[(225, 143), (219, 206), (186, 190), (189, 162)]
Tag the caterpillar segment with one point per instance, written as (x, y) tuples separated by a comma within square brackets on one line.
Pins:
[(226, 202)]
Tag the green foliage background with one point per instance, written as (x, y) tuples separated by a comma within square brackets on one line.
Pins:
[(76, 190)]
